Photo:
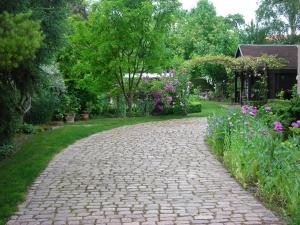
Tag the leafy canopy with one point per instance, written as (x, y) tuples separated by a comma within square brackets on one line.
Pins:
[(121, 40), (280, 18), (20, 37)]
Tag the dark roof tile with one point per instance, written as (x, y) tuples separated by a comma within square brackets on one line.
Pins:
[(288, 52)]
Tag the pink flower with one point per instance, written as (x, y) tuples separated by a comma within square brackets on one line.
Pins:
[(278, 126), (253, 112), (169, 99), (169, 87), (296, 124)]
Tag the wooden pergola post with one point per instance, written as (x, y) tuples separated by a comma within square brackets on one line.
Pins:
[(242, 87), (235, 87), (249, 87)]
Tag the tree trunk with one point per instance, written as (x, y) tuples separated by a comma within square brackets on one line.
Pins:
[(129, 104)]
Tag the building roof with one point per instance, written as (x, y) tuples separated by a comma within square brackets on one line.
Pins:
[(288, 52)]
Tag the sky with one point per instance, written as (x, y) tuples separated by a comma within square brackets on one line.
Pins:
[(224, 7)]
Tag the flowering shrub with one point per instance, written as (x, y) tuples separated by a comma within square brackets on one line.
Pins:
[(168, 95), (253, 146)]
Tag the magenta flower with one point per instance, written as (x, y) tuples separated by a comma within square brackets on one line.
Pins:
[(268, 109), (278, 126), (169, 99), (157, 94), (245, 107), (296, 124), (253, 112)]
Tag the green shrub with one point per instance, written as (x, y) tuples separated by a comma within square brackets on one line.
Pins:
[(6, 150), (282, 108), (195, 108), (9, 117), (257, 103), (295, 104), (26, 128), (42, 109)]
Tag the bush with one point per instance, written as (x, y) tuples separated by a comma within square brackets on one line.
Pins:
[(282, 108), (256, 152), (258, 103), (195, 108), (26, 128), (6, 150), (42, 109), (9, 118)]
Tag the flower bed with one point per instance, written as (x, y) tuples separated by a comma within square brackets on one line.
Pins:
[(262, 153)]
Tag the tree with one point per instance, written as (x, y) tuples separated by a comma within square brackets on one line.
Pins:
[(254, 34), (20, 39), (124, 39), (235, 20), (202, 32), (281, 18)]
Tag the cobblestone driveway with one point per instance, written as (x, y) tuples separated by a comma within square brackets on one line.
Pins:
[(153, 173)]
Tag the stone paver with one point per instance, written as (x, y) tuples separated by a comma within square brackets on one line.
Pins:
[(150, 174)]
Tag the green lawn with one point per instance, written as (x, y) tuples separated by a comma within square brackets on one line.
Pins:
[(18, 172), (209, 107)]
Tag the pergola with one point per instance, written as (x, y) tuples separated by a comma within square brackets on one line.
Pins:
[(246, 70)]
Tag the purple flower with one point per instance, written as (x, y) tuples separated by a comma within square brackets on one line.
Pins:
[(253, 112), (169, 99), (296, 124), (157, 94), (169, 87), (247, 124), (268, 109), (230, 125), (277, 126), (245, 107)]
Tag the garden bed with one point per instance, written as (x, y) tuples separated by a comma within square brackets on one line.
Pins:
[(263, 153)]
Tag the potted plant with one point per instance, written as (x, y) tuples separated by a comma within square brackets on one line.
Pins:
[(71, 106), (85, 115)]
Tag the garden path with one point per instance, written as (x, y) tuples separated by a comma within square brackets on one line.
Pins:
[(152, 173)]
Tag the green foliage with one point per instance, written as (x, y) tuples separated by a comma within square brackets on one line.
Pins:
[(194, 108), (120, 37), (257, 155), (42, 108), (9, 118), (295, 103), (280, 18), (20, 37), (201, 32), (6, 150), (26, 128)]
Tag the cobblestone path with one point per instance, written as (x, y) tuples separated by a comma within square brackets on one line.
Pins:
[(153, 173)]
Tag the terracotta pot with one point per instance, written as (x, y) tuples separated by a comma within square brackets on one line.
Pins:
[(85, 116)]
